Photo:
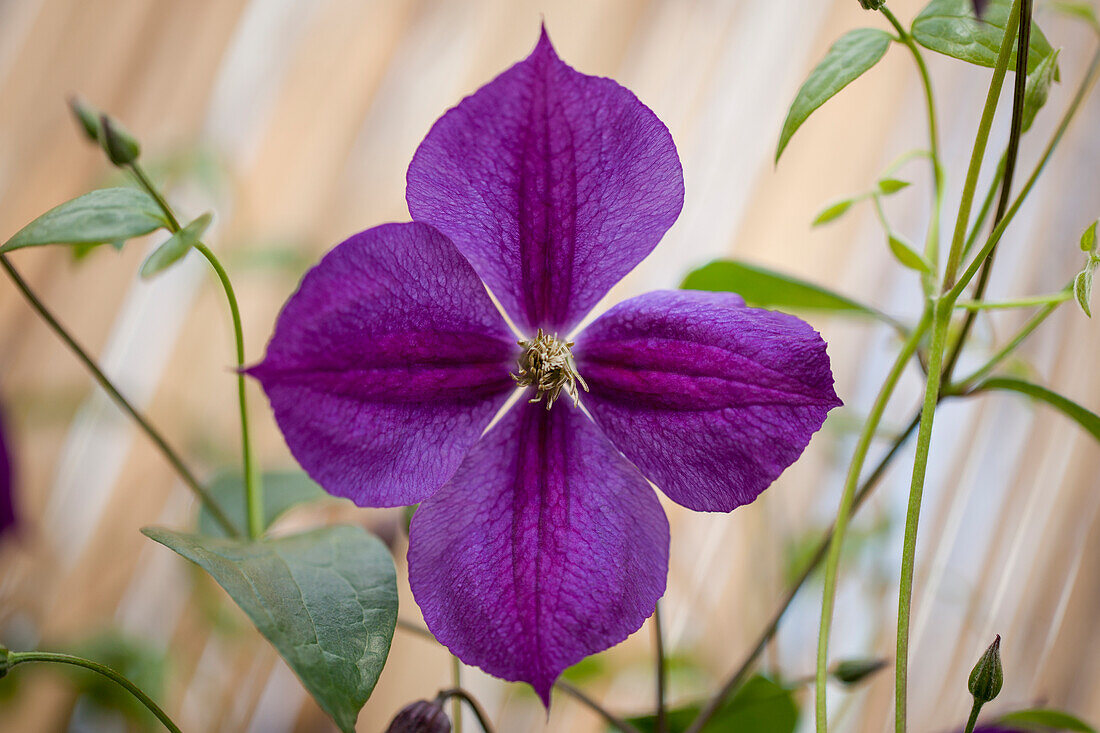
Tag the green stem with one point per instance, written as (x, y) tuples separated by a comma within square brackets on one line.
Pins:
[(855, 468), (931, 250), (977, 305), (458, 696), (941, 319), (987, 205), (998, 231), (154, 435), (739, 675), (456, 702), (661, 724), (16, 658), (973, 720), (253, 490)]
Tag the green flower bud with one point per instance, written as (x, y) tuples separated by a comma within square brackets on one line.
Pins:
[(872, 4), (987, 677), (120, 145), (87, 116), (854, 671)]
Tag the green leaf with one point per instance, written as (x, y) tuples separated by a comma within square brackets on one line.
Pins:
[(1044, 718), (856, 52), (766, 288), (949, 27), (1037, 90), (176, 246), (325, 599), (1082, 289), (906, 255), (282, 491), (833, 212), (888, 186), (1090, 421), (1079, 10), (760, 705), (854, 671), (1088, 239), (106, 215)]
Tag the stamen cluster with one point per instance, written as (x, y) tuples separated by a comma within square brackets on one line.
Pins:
[(547, 365)]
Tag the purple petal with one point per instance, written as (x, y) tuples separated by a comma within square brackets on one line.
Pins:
[(386, 365), (554, 184), (545, 547), (7, 500), (710, 399)]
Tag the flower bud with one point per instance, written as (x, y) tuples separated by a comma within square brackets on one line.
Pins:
[(854, 671), (979, 7), (872, 4), (120, 145), (87, 116), (987, 677), (421, 716)]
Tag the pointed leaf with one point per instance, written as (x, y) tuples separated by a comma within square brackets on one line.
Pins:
[(282, 491), (1088, 239), (326, 600), (906, 255), (107, 215), (765, 288), (854, 671), (1043, 719), (1037, 90), (888, 186), (950, 27), (1087, 419), (856, 52), (1082, 290), (175, 247), (833, 212)]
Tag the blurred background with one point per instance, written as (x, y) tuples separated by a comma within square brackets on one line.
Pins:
[(294, 121)]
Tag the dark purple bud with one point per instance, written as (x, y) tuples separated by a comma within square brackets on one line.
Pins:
[(980, 6), (987, 677), (120, 145), (872, 4), (7, 502), (87, 116), (421, 716)]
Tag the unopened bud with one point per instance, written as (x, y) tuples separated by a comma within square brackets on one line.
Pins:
[(979, 7), (872, 4), (421, 716), (87, 116), (987, 677), (120, 145), (854, 671)]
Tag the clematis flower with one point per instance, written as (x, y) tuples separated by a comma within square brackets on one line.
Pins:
[(7, 501), (540, 540)]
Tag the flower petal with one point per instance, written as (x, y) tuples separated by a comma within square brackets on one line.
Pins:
[(386, 365), (7, 500), (545, 547), (554, 184), (710, 399)]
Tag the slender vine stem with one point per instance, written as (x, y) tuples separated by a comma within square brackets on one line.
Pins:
[(1053, 298), (973, 719), (738, 675), (456, 707), (661, 724), (855, 468), (931, 250), (108, 386), (253, 490), (16, 658), (964, 384), (459, 695), (941, 318)]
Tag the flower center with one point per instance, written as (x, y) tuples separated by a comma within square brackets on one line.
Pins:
[(547, 365)]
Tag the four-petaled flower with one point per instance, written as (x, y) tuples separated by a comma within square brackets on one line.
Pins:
[(538, 541)]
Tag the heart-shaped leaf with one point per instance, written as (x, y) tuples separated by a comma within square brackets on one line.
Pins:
[(282, 491), (951, 28), (856, 52), (106, 215), (325, 599), (175, 247)]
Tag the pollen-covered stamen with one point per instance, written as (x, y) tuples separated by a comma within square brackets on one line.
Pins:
[(547, 365)]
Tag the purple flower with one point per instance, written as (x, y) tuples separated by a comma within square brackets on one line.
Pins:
[(7, 501), (540, 541)]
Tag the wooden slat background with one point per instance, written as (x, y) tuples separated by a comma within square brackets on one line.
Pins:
[(311, 112)]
